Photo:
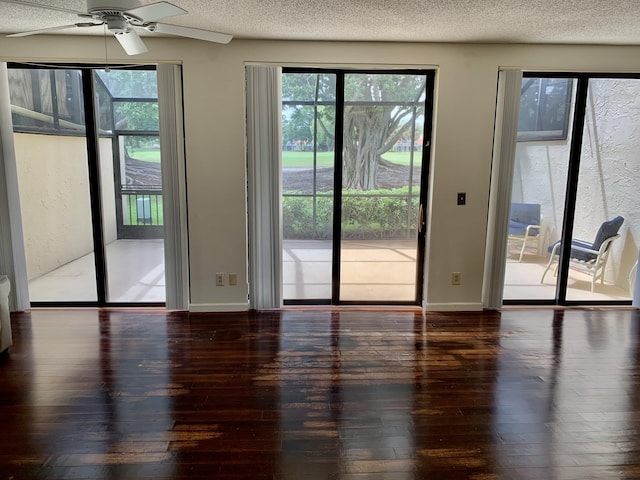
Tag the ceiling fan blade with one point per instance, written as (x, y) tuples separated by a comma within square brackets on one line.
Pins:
[(196, 33), (39, 5), (131, 42), (50, 29), (156, 11)]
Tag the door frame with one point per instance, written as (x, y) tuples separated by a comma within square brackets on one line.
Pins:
[(90, 109), (340, 73), (571, 190)]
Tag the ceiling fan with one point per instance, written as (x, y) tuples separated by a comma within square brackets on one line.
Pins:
[(121, 17)]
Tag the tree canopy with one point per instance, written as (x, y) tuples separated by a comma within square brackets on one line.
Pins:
[(379, 110), (128, 101)]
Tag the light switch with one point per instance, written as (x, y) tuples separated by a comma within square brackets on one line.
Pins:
[(462, 198)]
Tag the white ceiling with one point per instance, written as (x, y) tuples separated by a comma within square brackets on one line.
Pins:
[(476, 21)]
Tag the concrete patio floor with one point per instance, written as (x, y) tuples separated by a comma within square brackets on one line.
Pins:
[(371, 271), (135, 270), (385, 271)]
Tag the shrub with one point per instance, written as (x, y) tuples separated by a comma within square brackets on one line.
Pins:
[(376, 214)]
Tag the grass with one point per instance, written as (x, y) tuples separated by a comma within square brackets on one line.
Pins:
[(145, 154), (305, 159), (403, 158), (289, 159), (325, 159), (156, 209)]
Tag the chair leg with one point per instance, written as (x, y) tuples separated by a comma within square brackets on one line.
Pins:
[(546, 269), (524, 244), (553, 255)]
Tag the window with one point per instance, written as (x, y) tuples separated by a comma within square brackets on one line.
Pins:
[(47, 101), (544, 109)]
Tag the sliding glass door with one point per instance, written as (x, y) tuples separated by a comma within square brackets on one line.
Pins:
[(383, 132), (53, 172), (540, 174), (606, 208), (573, 200), (132, 205), (308, 182), (354, 181), (88, 163)]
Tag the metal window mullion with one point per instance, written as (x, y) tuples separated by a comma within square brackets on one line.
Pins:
[(93, 159), (573, 174), (337, 189)]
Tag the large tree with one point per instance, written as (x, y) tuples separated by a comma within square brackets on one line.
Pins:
[(378, 112)]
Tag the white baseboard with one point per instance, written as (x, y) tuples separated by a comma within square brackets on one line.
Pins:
[(453, 307), (218, 307)]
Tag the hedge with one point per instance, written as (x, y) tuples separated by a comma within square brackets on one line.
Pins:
[(374, 215)]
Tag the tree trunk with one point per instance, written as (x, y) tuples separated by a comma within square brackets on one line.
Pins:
[(370, 131)]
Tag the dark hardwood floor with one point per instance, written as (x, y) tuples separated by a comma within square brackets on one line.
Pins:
[(322, 394)]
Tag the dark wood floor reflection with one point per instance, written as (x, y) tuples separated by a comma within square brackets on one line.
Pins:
[(322, 394)]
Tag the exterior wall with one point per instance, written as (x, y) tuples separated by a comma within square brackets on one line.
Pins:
[(214, 114), (54, 194), (609, 169), (108, 188)]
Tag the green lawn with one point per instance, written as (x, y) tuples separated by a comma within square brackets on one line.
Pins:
[(155, 206), (289, 159), (403, 158), (305, 159), (325, 159), (145, 154)]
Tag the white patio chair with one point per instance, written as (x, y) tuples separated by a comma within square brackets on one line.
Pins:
[(524, 225), (590, 258)]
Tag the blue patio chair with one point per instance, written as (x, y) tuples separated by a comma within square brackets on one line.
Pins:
[(590, 258), (524, 225)]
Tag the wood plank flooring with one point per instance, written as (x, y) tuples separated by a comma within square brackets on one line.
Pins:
[(322, 394)]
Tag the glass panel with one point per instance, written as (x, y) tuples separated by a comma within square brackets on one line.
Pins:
[(308, 124), (129, 83), (132, 190), (47, 101), (136, 116), (53, 181), (538, 197), (606, 190), (382, 157), (544, 109), (140, 180)]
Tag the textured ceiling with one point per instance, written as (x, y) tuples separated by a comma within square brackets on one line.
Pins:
[(483, 21)]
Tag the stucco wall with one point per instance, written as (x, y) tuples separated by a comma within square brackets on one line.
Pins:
[(609, 169), (54, 197), (214, 114)]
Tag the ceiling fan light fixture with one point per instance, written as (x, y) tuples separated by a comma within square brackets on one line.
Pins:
[(115, 23), (116, 6)]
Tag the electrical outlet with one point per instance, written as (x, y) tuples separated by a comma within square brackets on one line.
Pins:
[(456, 278), (233, 279), (219, 279)]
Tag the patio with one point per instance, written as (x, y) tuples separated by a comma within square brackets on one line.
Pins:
[(135, 272), (384, 270), (372, 271), (522, 282)]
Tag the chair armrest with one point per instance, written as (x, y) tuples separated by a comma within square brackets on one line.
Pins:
[(532, 227), (585, 250), (556, 247)]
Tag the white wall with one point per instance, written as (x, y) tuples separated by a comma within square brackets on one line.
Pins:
[(108, 189), (53, 183), (54, 198), (215, 149)]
